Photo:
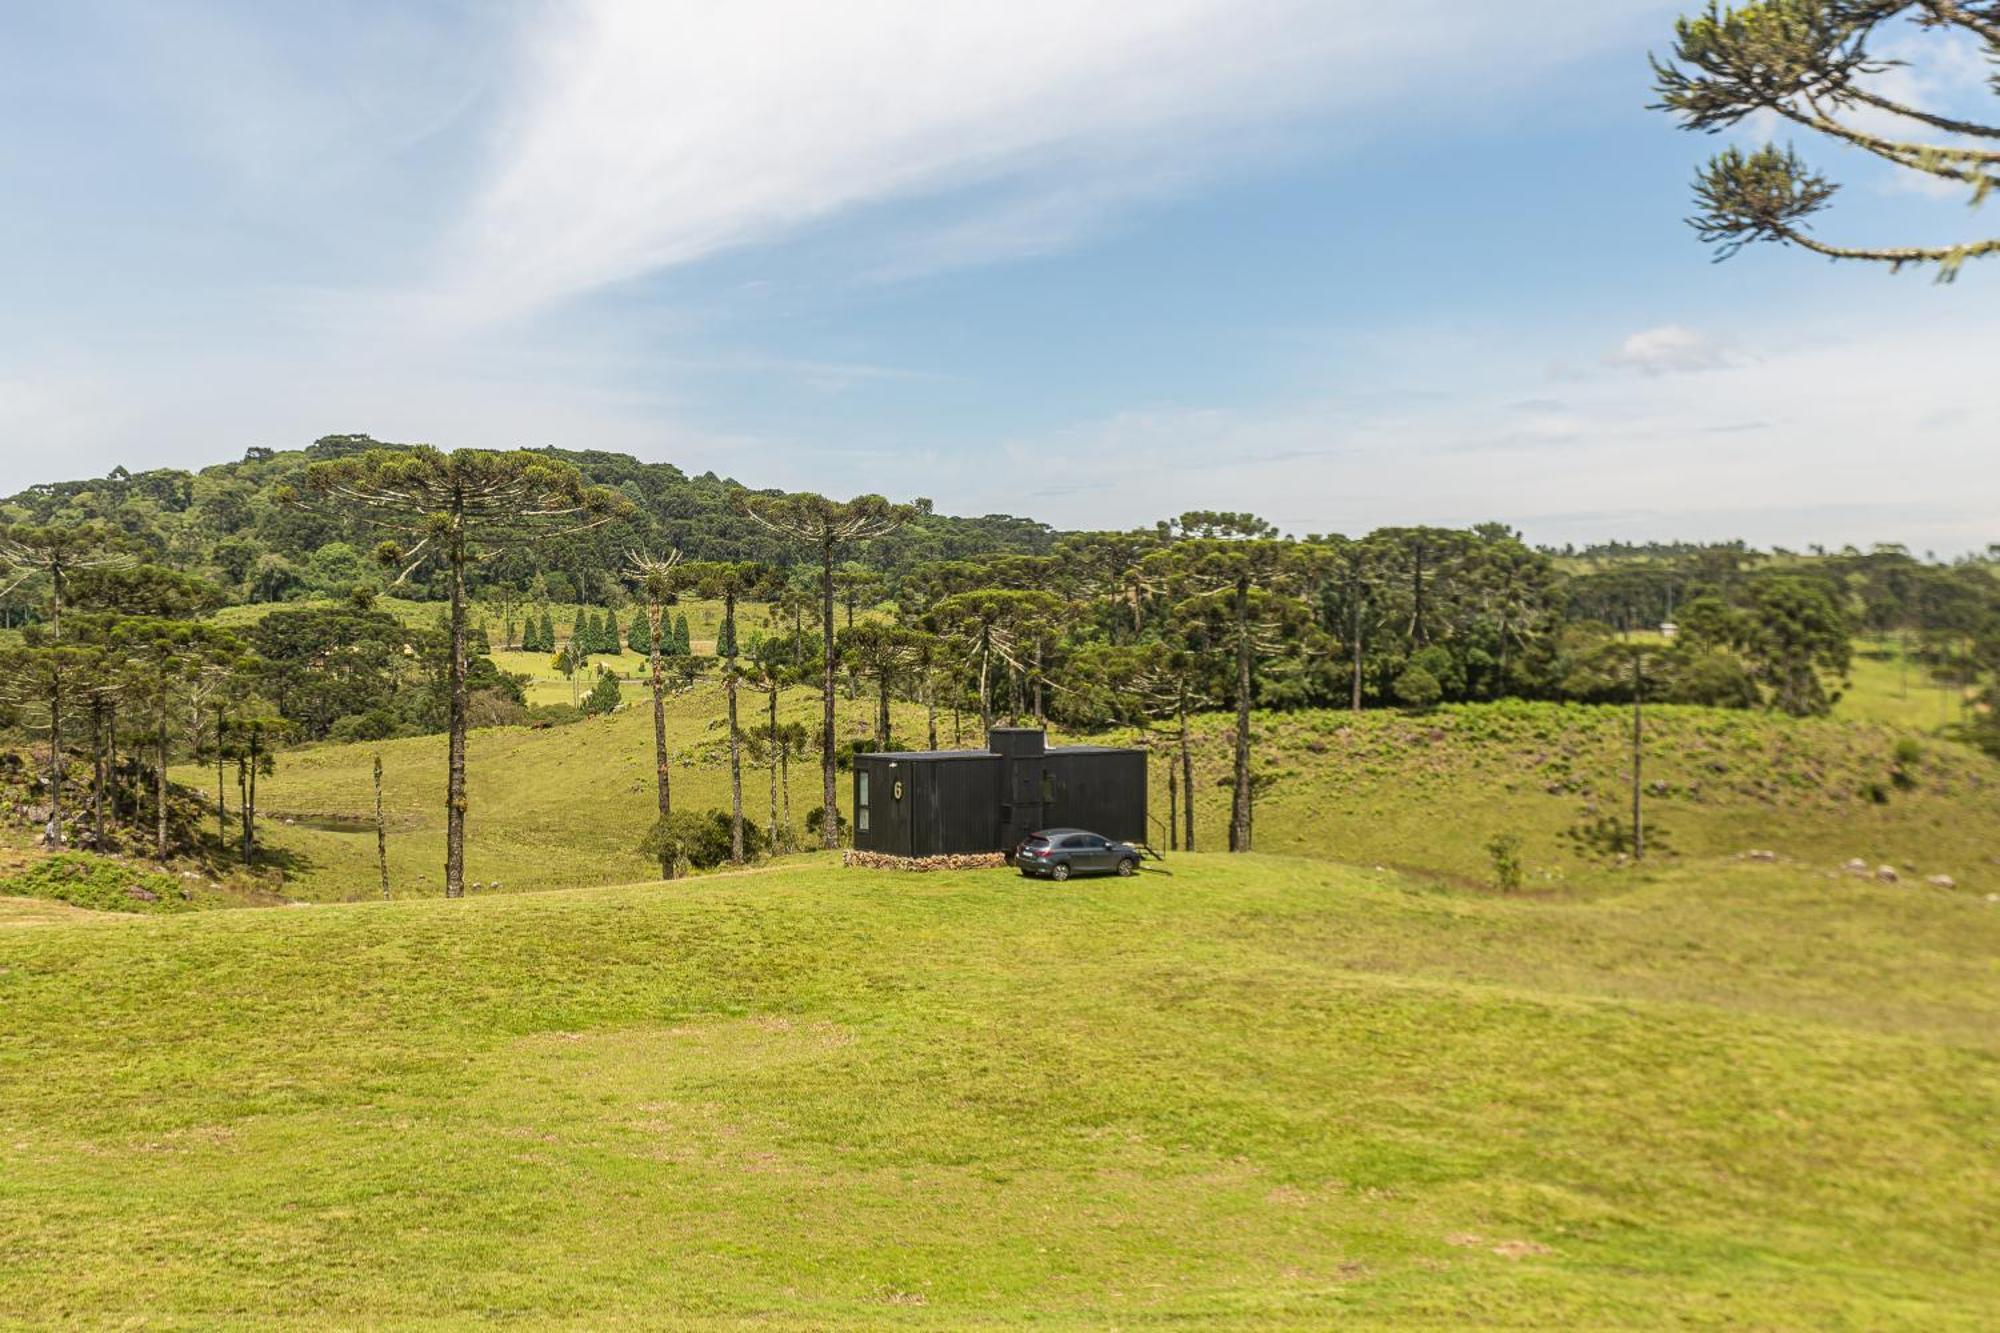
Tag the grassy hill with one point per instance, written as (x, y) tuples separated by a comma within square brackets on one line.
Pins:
[(566, 806), (1262, 1089)]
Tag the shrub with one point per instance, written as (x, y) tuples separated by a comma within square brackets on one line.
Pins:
[(95, 882), (699, 838), (816, 820), (377, 724), (603, 697), (553, 715), (1418, 688), (1505, 851), (1909, 754)]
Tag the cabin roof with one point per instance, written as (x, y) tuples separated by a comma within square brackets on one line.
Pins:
[(905, 756)]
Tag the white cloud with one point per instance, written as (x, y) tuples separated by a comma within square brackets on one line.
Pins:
[(1670, 349), (652, 134)]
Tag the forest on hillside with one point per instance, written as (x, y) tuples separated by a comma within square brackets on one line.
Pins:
[(123, 601)]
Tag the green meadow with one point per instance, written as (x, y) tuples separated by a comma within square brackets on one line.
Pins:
[(1346, 1079), (1263, 1090)]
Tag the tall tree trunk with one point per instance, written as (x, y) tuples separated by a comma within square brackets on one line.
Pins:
[(243, 802), (985, 696), (882, 710), (160, 779), (111, 747), (1638, 786), (662, 763), (1041, 718), (381, 830), (98, 775), (785, 784), (735, 733), (1354, 704), (829, 793), (1239, 814), (250, 803), (454, 789), (1419, 636), (221, 809), (776, 844), (52, 832), (1173, 807), (1187, 774), (930, 706)]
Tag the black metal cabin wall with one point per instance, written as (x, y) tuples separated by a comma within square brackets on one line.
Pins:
[(889, 820), (964, 813), (1103, 791)]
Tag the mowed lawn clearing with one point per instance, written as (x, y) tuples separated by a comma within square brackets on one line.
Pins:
[(1258, 1089)]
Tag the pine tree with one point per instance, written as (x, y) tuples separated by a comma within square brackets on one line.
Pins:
[(548, 632), (640, 634), (683, 645)]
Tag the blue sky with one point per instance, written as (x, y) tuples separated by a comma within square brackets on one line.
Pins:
[(1342, 263)]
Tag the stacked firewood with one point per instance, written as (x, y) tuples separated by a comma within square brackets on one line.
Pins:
[(959, 861)]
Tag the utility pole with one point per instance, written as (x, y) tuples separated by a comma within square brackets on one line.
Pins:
[(1638, 787)]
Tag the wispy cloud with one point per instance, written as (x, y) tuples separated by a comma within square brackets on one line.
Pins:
[(652, 134)]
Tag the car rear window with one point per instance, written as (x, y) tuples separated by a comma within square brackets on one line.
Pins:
[(1036, 841)]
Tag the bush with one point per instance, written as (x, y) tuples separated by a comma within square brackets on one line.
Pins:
[(1418, 688), (816, 820), (1909, 754), (603, 697), (1713, 680), (1505, 851), (377, 724), (699, 838), (102, 885)]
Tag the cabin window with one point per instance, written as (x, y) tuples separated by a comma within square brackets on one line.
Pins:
[(1048, 786)]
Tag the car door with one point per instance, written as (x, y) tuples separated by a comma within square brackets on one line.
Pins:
[(1093, 853)]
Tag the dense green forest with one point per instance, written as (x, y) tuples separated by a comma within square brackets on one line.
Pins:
[(225, 614)]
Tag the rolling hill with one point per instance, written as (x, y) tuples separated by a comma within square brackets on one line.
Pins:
[(1254, 1090)]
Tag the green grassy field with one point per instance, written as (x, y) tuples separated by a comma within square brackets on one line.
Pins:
[(1256, 1090), (568, 805), (1887, 687), (1342, 1080)]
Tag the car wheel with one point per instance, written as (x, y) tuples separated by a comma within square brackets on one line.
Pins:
[(1059, 872), (1126, 865)]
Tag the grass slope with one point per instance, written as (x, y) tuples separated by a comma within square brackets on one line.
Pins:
[(1427, 792), (1259, 1090), (550, 807), (566, 806)]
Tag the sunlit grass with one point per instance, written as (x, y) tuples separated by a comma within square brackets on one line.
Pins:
[(1257, 1090)]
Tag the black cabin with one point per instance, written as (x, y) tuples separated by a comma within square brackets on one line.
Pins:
[(936, 802)]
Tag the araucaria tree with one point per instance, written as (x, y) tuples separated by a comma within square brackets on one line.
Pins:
[(828, 528), (1237, 587), (60, 552), (730, 582), (657, 584), (456, 509), (58, 679), (1809, 63)]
